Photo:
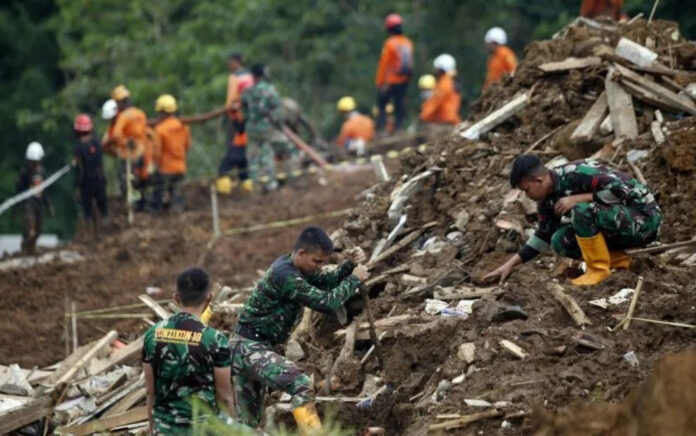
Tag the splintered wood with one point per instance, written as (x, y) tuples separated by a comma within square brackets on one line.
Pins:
[(569, 304), (592, 120), (623, 116)]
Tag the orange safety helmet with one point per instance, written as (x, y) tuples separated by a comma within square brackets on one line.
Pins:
[(83, 123), (393, 20)]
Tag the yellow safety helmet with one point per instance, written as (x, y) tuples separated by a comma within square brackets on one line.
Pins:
[(346, 104), (120, 92), (166, 103), (427, 81)]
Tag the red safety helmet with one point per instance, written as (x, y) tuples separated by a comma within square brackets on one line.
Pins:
[(83, 123), (393, 20)]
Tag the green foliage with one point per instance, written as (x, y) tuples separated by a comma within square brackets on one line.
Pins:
[(62, 57)]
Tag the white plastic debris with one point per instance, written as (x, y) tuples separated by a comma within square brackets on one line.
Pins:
[(477, 403), (622, 296), (433, 307), (636, 155), (463, 309), (631, 358)]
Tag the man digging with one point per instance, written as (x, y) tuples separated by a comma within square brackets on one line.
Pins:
[(294, 280), (586, 211)]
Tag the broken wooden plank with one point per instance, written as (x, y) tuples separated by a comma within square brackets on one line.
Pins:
[(648, 97), (637, 173), (465, 420), (514, 349), (571, 63), (606, 127), (104, 424), (405, 241), (634, 302), (74, 369), (592, 120), (155, 306), (661, 248), (386, 274), (623, 116), (119, 357), (25, 414), (497, 117), (569, 304), (464, 292), (681, 102), (126, 403), (656, 130), (381, 324), (635, 53), (411, 280)]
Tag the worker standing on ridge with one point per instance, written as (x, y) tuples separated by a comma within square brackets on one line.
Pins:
[(132, 143), (109, 113), (502, 60), (443, 105), (30, 176), (269, 314), (172, 142), (186, 361), (234, 124), (90, 183), (260, 104), (602, 8), (393, 71), (608, 212), (357, 129)]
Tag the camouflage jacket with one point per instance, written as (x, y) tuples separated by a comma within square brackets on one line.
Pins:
[(276, 302), (183, 353), (608, 187), (261, 104)]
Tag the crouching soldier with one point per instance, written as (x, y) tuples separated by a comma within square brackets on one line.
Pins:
[(294, 280), (586, 211)]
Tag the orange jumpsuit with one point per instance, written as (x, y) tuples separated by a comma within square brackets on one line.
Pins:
[(502, 61), (357, 126), (396, 61), (172, 142), (237, 82), (132, 142), (443, 105), (601, 8)]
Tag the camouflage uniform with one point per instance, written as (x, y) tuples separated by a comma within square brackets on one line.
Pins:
[(261, 104), (183, 353), (266, 320), (623, 210)]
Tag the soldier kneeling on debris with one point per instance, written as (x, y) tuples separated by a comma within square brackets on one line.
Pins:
[(269, 314), (586, 210), (186, 361)]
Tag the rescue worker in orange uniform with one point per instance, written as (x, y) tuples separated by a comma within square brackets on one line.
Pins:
[(393, 71), (235, 127), (602, 8), (502, 60), (443, 105), (132, 142), (357, 129), (172, 142)]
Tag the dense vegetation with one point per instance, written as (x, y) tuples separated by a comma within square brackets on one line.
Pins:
[(61, 57)]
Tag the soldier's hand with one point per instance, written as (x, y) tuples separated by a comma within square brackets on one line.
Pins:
[(356, 255), (564, 205), (361, 272), (501, 273)]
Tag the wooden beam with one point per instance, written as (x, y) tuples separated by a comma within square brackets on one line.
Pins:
[(644, 95), (381, 324), (592, 120), (405, 241), (125, 354), (104, 424), (126, 403), (463, 292), (155, 306), (72, 372), (569, 304), (681, 102), (488, 123), (623, 116), (656, 130), (514, 349), (465, 420), (25, 414), (570, 63), (661, 248)]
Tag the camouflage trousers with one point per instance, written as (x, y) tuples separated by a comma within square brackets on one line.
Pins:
[(623, 227), (286, 155), (255, 367), (260, 158)]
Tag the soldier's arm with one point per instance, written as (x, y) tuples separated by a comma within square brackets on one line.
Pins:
[(331, 279), (613, 191), (297, 289), (222, 361), (541, 239)]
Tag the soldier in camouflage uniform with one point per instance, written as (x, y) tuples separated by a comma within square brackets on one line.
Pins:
[(261, 106), (586, 210), (183, 361), (268, 316)]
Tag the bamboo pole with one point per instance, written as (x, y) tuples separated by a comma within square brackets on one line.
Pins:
[(214, 209), (129, 191), (73, 307), (634, 302)]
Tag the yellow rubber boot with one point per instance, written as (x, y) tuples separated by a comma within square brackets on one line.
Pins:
[(596, 255), (619, 260), (248, 185), (307, 419), (224, 185)]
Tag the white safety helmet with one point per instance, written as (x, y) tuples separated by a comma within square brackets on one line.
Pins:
[(497, 35), (445, 62), (35, 151), (109, 109)]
